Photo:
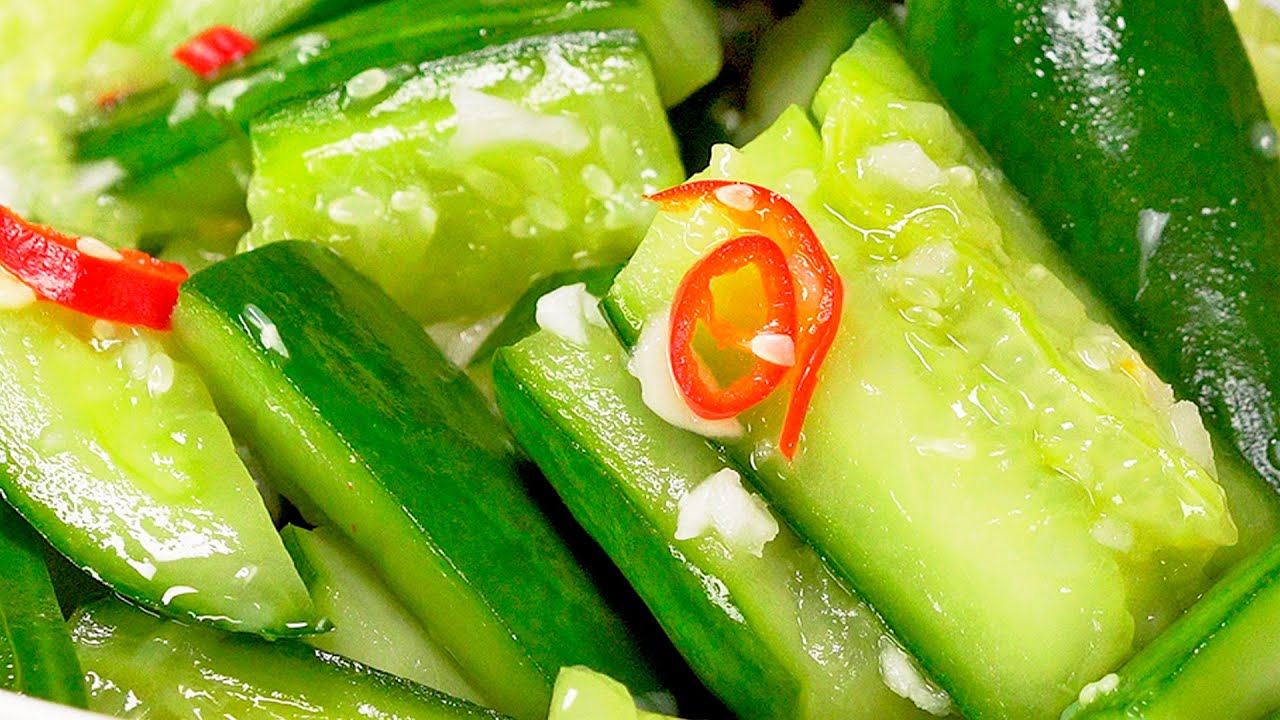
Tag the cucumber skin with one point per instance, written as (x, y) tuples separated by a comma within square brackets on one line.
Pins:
[(36, 655), (361, 384), (145, 667), (1203, 304), (146, 135), (1218, 660)]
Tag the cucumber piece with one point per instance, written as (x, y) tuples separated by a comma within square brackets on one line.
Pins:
[(156, 130), (36, 656), (1020, 510), (140, 666), (773, 636), (371, 431), (371, 626), (1155, 171), (584, 694), (458, 187), (113, 451), (796, 54), (1259, 26), (1219, 660)]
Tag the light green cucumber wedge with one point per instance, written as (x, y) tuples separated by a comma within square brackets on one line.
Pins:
[(460, 186), (584, 694), (1219, 660), (112, 450)]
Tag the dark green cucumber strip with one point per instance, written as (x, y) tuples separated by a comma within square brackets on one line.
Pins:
[(158, 129), (368, 427), (140, 666), (750, 626), (1220, 660), (998, 474), (114, 452), (370, 625), (457, 187), (36, 656), (1151, 161)]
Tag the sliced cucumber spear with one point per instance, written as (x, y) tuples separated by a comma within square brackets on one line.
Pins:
[(156, 130), (997, 474), (36, 655), (371, 431), (141, 666), (112, 450), (457, 187), (775, 636)]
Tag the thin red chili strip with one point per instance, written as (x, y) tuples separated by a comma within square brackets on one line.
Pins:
[(214, 49), (755, 210), (694, 303), (133, 288)]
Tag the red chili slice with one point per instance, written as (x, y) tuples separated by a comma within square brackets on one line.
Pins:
[(214, 49), (134, 289), (694, 302), (819, 293)]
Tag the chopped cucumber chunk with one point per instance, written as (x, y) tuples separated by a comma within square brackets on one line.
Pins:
[(1220, 660), (584, 694), (1259, 25), (796, 54), (458, 187), (160, 129), (62, 60)]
